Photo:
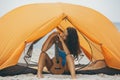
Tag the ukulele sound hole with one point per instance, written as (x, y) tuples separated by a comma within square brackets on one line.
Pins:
[(57, 62)]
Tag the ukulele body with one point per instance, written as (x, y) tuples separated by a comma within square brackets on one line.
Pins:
[(57, 67)]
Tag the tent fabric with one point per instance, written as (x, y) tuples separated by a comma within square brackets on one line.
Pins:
[(30, 22)]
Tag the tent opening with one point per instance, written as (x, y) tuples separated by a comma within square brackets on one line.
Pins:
[(31, 53)]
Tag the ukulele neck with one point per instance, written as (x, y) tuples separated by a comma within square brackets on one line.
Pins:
[(56, 50)]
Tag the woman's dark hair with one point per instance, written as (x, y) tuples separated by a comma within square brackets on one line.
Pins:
[(72, 42)]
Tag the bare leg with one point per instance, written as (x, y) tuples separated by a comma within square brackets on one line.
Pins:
[(44, 60), (71, 66)]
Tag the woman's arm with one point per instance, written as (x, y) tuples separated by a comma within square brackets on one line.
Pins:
[(49, 42)]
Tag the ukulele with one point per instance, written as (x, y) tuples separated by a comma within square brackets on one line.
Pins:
[(57, 67)]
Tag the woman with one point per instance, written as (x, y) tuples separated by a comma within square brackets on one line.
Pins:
[(69, 43)]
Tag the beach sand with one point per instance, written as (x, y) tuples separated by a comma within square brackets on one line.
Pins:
[(61, 77)]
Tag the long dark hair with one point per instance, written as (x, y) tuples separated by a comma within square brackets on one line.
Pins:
[(72, 42)]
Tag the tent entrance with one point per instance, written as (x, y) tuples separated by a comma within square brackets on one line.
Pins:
[(91, 50)]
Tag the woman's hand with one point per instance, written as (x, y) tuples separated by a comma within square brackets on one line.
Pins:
[(60, 38)]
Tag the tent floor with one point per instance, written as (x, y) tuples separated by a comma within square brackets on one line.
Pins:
[(17, 69)]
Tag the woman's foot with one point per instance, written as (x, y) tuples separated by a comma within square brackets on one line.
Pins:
[(40, 76)]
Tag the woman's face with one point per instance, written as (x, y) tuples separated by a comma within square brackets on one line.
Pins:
[(64, 34)]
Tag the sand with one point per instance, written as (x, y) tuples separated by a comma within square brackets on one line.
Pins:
[(61, 77)]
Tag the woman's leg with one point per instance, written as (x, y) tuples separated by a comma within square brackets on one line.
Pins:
[(71, 66), (44, 60)]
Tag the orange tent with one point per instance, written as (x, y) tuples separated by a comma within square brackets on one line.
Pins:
[(99, 38)]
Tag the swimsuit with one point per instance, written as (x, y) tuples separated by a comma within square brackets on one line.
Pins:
[(62, 54)]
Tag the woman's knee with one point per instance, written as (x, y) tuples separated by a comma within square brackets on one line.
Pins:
[(43, 54), (69, 57)]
